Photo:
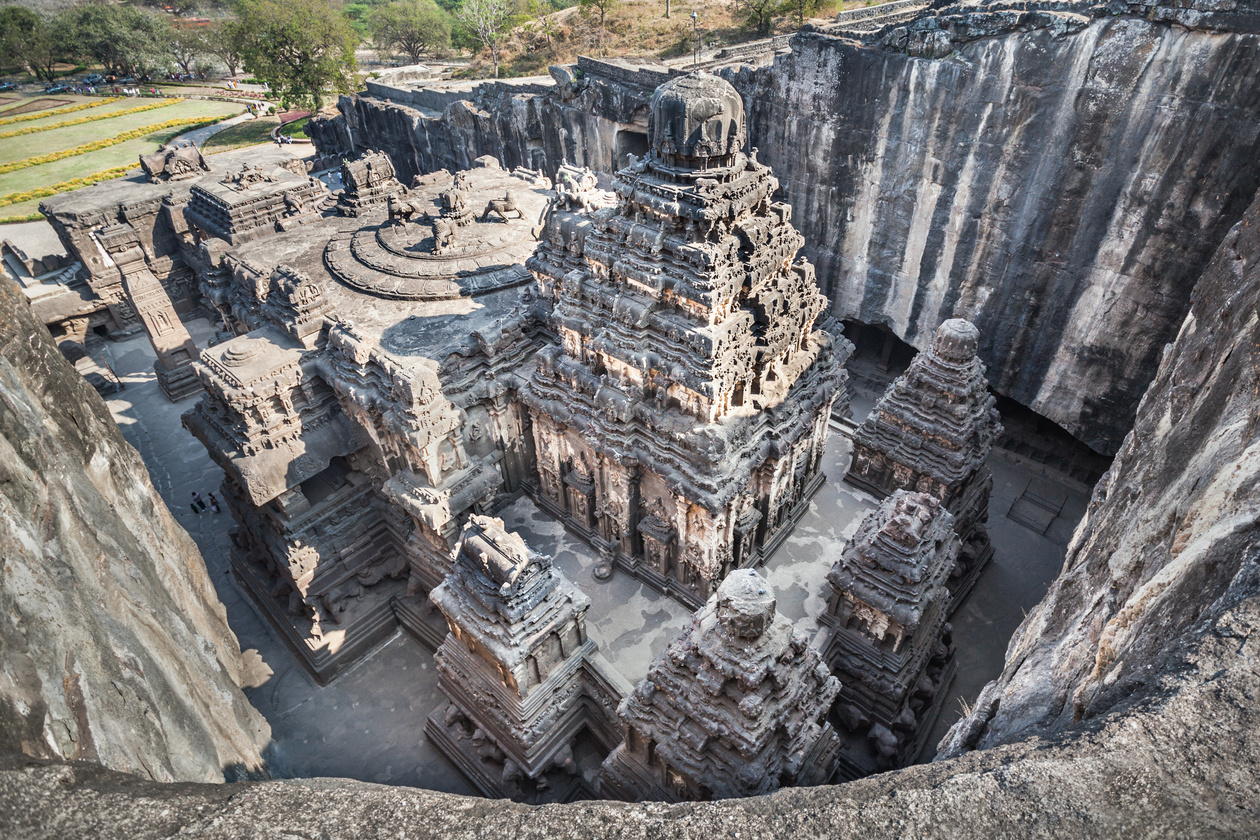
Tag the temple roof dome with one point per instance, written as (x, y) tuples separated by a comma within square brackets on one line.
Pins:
[(696, 116), (956, 340)]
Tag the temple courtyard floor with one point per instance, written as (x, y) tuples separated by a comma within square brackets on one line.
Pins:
[(369, 723)]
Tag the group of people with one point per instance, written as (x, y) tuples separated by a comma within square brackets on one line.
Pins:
[(198, 505)]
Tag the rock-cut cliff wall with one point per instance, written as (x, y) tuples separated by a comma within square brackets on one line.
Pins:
[(1171, 538), (1062, 191), (1127, 708), (114, 646), (1061, 186)]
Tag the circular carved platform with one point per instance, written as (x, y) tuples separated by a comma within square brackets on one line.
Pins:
[(397, 260)]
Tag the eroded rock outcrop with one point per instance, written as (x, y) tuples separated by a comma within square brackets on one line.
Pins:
[(115, 647), (1171, 533)]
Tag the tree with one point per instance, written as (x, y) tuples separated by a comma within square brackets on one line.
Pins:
[(488, 20), (31, 41), (602, 7), (411, 27), (800, 9), (758, 14), (186, 48), (298, 47), (123, 38), (225, 41)]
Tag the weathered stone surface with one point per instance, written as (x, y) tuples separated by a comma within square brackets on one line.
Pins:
[(1172, 750), (513, 663), (890, 645), (931, 432), (114, 645), (680, 413), (1062, 192), (1168, 536)]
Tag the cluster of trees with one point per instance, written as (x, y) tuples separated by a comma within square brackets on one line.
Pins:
[(301, 48), (760, 15)]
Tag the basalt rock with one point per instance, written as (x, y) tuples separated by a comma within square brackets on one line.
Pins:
[(114, 644), (1169, 541), (735, 706)]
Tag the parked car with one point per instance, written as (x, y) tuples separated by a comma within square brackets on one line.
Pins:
[(95, 79), (52, 87), (127, 80), (8, 86)]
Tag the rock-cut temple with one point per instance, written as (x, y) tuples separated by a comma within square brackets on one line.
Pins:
[(652, 365)]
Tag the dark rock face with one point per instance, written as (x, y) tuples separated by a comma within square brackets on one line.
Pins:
[(1170, 539), (1062, 193), (113, 643), (1061, 188)]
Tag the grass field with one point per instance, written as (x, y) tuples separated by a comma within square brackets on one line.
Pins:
[(248, 133), (122, 154), (45, 142)]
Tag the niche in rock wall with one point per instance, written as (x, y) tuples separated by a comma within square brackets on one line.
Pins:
[(628, 141)]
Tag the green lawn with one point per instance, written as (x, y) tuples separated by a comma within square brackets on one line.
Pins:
[(249, 133), (121, 105), (45, 142)]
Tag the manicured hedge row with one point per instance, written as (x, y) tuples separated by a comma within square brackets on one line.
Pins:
[(33, 217), (134, 134), (39, 115), (65, 186), (34, 129)]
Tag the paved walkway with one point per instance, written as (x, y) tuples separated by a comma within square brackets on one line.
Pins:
[(369, 724)]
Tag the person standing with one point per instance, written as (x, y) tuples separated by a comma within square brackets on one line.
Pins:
[(197, 505)]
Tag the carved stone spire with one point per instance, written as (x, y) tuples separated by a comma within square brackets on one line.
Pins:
[(512, 663), (931, 432), (890, 643), (736, 706), (681, 414)]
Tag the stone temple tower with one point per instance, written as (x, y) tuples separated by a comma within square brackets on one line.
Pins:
[(890, 644), (734, 707), (931, 432), (512, 664), (680, 415)]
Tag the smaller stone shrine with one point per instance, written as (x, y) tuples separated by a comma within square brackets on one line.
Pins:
[(512, 665), (367, 182), (254, 202), (736, 706), (890, 644), (174, 347), (177, 161), (932, 431)]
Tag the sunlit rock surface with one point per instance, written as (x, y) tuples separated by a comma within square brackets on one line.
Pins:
[(114, 646)]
